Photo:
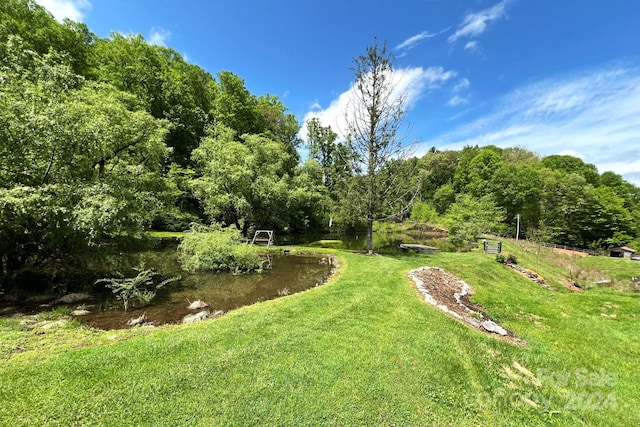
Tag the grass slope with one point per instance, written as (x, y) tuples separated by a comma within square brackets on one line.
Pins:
[(363, 350)]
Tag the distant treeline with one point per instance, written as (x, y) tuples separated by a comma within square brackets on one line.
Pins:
[(102, 138)]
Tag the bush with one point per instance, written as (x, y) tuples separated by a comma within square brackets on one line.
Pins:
[(142, 288), (216, 248), (509, 259), (423, 212)]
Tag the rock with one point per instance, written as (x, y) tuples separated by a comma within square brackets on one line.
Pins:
[(53, 324), (41, 298), (443, 308), (28, 322), (492, 326), (197, 305), (73, 298), (80, 312), (201, 315), (216, 314), (137, 320), (472, 321)]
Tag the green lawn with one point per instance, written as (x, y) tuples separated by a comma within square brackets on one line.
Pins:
[(362, 350)]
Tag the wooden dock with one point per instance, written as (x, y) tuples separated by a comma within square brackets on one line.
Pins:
[(424, 249)]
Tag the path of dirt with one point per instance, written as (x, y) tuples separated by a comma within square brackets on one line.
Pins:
[(451, 296)]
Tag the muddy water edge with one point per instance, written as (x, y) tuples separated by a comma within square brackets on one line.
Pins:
[(220, 291)]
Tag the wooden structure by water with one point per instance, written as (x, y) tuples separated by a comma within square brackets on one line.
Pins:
[(424, 249), (264, 237)]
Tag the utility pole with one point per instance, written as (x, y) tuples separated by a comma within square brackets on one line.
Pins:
[(518, 227)]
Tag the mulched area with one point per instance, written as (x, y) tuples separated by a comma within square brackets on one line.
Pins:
[(451, 295)]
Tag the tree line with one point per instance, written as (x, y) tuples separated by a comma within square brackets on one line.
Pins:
[(102, 138)]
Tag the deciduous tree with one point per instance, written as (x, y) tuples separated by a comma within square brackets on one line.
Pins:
[(375, 119)]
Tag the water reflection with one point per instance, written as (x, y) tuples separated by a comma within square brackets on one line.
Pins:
[(220, 291)]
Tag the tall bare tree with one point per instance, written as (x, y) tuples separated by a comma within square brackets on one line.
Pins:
[(375, 128)]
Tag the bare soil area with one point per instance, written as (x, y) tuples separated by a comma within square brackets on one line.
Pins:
[(570, 252), (451, 295)]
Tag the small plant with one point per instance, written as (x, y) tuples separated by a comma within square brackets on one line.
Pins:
[(511, 259), (142, 288), (283, 292), (476, 315), (500, 258)]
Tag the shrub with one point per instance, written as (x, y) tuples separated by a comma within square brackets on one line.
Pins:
[(142, 288), (216, 248), (509, 259), (423, 212)]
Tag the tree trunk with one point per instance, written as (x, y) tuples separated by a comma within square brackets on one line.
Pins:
[(370, 235), (245, 228)]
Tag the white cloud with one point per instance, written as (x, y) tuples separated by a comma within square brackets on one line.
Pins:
[(408, 82), (315, 106), (412, 41), (471, 46), (457, 100), (571, 153), (594, 115), (475, 24), (462, 84), (159, 36), (70, 9)]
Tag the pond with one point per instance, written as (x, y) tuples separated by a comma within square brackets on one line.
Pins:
[(220, 291), (385, 240)]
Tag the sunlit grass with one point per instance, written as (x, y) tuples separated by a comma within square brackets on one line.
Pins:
[(362, 350), (166, 234)]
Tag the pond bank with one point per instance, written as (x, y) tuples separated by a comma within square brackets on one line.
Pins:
[(221, 292)]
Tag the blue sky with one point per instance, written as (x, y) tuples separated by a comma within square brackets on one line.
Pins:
[(554, 77)]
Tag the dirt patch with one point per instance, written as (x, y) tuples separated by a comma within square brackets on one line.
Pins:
[(572, 286), (531, 275), (452, 296), (570, 252)]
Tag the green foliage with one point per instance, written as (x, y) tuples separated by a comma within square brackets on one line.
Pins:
[(423, 212), (438, 168), (467, 218), (142, 288), (79, 162), (566, 165), (443, 198), (561, 194), (333, 156), (41, 33), (216, 248), (509, 259), (249, 181)]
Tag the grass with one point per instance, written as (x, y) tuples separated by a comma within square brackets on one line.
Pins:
[(166, 234), (362, 350), (585, 271)]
